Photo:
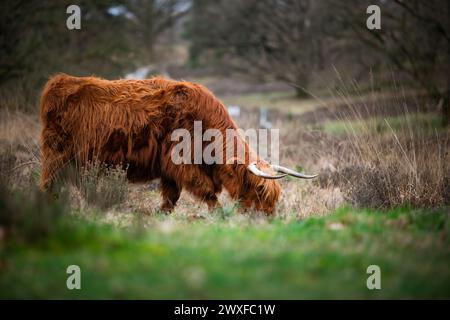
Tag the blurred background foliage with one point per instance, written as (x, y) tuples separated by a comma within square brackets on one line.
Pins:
[(296, 42)]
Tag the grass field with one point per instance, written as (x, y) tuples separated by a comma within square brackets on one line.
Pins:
[(422, 122), (239, 257), (370, 153)]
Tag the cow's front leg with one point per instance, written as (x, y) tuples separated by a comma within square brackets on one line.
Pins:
[(170, 194), (212, 202), (205, 192)]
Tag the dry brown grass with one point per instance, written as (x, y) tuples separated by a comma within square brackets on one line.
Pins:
[(19, 145), (397, 168), (19, 128), (365, 167), (379, 166), (102, 186), (371, 165)]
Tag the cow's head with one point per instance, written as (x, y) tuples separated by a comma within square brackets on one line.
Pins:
[(255, 184)]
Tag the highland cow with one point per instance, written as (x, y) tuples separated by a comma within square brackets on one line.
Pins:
[(129, 123)]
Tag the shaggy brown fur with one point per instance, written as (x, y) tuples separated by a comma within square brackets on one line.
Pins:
[(129, 123)]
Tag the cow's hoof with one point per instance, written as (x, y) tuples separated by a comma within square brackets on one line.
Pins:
[(167, 209)]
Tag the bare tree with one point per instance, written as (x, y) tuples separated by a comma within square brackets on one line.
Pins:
[(152, 17), (271, 38), (35, 41), (415, 39)]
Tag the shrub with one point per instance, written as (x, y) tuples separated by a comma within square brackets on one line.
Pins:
[(17, 169), (399, 169), (393, 167), (29, 217), (103, 186)]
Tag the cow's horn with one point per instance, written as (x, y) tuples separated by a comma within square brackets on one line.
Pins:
[(292, 172), (254, 169)]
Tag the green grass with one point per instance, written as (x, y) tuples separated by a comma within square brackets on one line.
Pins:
[(324, 257), (425, 122), (283, 101)]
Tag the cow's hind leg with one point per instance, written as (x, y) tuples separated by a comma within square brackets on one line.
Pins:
[(170, 194), (56, 153), (52, 164)]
